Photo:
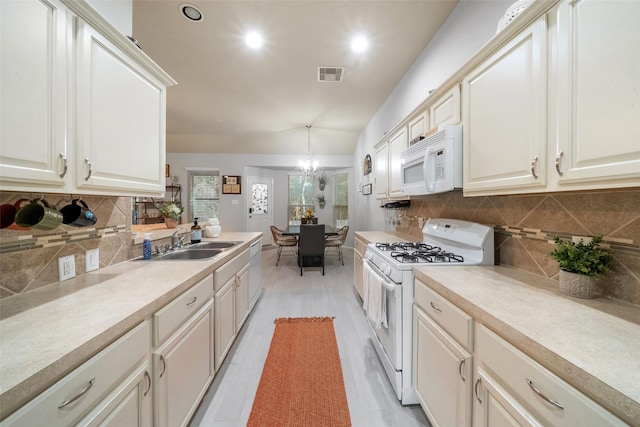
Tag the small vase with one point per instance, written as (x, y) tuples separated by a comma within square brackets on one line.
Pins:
[(578, 285), (170, 222)]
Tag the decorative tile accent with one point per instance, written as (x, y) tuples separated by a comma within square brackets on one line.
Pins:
[(525, 226)]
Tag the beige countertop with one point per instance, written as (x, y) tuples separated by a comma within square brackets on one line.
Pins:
[(47, 333), (592, 344)]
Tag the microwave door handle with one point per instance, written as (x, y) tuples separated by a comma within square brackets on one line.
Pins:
[(430, 170)]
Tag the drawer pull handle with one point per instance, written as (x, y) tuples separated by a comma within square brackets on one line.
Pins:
[(534, 163), (475, 390), (65, 163), (542, 396), (148, 377), (194, 299), (86, 160), (558, 159), (460, 366), (164, 365), (435, 308), (79, 395)]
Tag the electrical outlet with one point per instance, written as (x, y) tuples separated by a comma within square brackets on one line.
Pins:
[(92, 260), (66, 267)]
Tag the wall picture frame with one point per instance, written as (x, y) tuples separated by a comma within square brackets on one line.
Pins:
[(367, 189), (231, 184)]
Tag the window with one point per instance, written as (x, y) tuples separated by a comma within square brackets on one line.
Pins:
[(204, 194), (301, 196), (341, 197)]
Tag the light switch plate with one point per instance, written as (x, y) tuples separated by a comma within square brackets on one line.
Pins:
[(66, 267), (92, 260)]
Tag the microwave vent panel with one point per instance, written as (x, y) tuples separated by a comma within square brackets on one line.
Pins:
[(330, 74)]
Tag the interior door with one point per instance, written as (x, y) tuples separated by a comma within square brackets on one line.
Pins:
[(260, 203)]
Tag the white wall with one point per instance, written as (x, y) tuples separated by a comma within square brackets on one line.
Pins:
[(471, 25), (233, 215)]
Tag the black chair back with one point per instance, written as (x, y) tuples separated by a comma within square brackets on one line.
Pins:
[(311, 240)]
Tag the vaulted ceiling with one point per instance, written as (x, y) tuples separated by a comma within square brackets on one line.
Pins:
[(234, 99)]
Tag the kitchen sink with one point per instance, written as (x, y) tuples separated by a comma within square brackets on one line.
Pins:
[(211, 245), (187, 254)]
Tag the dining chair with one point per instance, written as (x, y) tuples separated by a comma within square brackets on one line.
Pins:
[(282, 241), (336, 241), (311, 247)]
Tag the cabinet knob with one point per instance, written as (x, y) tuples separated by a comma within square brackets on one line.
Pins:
[(542, 396), (475, 390), (88, 163), (534, 163), (460, 366), (65, 165), (148, 378), (79, 395)]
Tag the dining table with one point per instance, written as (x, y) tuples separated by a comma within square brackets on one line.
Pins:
[(294, 230)]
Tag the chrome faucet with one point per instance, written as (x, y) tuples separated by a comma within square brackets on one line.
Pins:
[(176, 242)]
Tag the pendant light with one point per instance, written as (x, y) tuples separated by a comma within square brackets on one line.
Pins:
[(308, 166)]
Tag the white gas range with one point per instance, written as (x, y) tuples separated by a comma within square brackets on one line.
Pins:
[(388, 269)]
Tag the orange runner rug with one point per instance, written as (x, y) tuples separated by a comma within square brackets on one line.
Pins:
[(301, 383)]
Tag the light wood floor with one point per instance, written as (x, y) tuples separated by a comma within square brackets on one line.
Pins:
[(372, 401)]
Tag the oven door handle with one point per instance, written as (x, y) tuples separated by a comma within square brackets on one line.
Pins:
[(385, 280)]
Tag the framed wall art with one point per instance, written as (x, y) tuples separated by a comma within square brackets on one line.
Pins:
[(231, 184), (367, 189)]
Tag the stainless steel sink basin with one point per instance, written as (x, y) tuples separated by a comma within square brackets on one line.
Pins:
[(211, 245), (187, 254)]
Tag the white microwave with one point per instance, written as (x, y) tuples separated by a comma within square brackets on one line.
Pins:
[(433, 165)]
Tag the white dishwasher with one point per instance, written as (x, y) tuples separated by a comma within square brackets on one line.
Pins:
[(255, 272)]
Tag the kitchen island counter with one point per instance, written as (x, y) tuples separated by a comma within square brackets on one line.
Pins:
[(48, 332), (591, 344)]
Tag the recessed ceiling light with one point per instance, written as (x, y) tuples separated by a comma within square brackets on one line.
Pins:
[(359, 44), (192, 13), (253, 40)]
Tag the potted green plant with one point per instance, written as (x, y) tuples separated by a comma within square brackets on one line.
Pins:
[(581, 265), (321, 200), (171, 212), (323, 180)]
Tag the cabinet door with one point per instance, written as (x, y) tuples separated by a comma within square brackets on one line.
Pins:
[(357, 273), (597, 94), (225, 321), (242, 298), (418, 126), (397, 144), (120, 120), (495, 407), (33, 100), (446, 110), (504, 132), (129, 405), (442, 372), (380, 166), (183, 369)]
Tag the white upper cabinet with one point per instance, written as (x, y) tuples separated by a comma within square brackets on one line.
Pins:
[(82, 108), (120, 119), (33, 86), (504, 126), (598, 94), (397, 144), (381, 170), (445, 111), (418, 126)]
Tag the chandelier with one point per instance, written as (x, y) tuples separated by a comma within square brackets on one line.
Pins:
[(307, 166)]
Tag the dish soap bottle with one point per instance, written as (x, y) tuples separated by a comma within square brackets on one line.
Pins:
[(146, 246), (196, 232)]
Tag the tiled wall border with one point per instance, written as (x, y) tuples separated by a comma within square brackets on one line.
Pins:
[(58, 238), (626, 246)]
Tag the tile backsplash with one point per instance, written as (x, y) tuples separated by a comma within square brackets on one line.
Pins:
[(29, 258), (525, 226)]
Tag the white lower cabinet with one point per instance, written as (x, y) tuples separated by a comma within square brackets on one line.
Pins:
[(111, 387), (442, 361), (359, 248), (231, 302), (183, 365), (534, 393)]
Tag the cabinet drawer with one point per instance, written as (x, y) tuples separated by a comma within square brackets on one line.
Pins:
[(456, 322), (172, 316), (514, 370), (360, 245), (228, 270), (89, 383)]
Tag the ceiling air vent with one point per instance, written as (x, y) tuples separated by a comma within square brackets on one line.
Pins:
[(330, 74)]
